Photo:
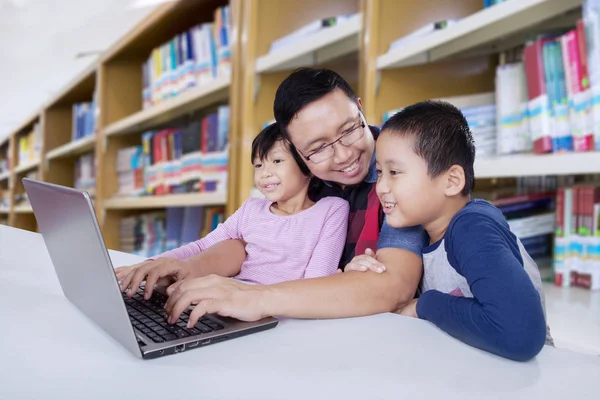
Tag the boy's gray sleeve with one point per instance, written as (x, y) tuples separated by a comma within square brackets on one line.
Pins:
[(411, 238)]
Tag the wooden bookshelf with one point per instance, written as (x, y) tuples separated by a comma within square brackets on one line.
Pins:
[(457, 61), (123, 119), (62, 149), (263, 22)]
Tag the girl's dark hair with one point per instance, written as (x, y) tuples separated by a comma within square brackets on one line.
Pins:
[(266, 139)]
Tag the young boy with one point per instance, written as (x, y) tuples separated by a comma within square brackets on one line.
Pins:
[(479, 284)]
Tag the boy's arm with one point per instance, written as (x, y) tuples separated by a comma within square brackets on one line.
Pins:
[(338, 296), (505, 317), (328, 251)]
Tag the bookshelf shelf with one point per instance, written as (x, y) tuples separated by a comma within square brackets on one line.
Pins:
[(23, 209), (537, 165), (194, 99), (487, 31), (315, 49), (4, 176), (27, 166), (73, 148), (175, 200), (4, 210)]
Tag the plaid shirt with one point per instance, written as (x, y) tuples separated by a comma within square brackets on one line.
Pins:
[(366, 216)]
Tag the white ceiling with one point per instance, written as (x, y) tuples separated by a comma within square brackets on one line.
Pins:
[(40, 41)]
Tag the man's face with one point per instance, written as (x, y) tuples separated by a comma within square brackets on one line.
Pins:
[(323, 122)]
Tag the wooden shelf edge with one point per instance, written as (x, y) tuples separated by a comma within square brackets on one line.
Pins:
[(483, 26), (314, 49), (4, 210), (4, 176), (77, 80), (73, 148), (174, 200), (26, 167), (538, 165), (195, 98), (23, 209)]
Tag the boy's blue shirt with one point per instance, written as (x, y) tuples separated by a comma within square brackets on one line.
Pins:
[(504, 315)]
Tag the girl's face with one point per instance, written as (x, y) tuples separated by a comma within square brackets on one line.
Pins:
[(278, 176)]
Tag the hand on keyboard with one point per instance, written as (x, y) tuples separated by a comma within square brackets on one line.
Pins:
[(160, 272)]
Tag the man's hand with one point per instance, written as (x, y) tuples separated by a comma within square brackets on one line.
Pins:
[(215, 295), (410, 309), (160, 272), (365, 262)]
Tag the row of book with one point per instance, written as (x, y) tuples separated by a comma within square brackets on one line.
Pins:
[(481, 115), (4, 197), (193, 58), (577, 236), (549, 102), (150, 234), (489, 3), (194, 158), (84, 119), (30, 145), (85, 173)]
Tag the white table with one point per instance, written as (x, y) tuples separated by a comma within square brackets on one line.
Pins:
[(48, 349)]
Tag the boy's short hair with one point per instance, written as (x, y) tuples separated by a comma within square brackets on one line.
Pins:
[(441, 137), (301, 88), (266, 139)]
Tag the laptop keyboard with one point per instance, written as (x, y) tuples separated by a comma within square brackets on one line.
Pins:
[(149, 318)]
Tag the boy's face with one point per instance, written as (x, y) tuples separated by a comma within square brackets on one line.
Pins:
[(408, 195), (278, 176), (325, 121)]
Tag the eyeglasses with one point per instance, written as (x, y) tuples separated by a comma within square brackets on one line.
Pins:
[(349, 137)]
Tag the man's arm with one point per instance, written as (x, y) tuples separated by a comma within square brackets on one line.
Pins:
[(349, 294)]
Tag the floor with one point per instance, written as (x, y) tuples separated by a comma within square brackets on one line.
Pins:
[(574, 318)]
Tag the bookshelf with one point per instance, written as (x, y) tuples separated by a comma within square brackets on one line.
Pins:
[(457, 61), (125, 116), (70, 133)]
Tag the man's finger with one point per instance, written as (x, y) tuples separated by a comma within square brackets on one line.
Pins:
[(180, 306)]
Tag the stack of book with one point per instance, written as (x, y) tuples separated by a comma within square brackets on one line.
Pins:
[(193, 58), (150, 234), (191, 159)]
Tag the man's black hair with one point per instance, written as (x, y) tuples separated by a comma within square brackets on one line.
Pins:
[(301, 88)]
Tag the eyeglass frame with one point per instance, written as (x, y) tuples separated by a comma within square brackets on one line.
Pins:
[(362, 125)]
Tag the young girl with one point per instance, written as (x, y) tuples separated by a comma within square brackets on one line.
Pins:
[(288, 236)]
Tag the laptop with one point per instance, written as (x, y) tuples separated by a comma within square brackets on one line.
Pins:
[(68, 224)]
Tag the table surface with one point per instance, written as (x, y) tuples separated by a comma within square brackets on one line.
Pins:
[(48, 348)]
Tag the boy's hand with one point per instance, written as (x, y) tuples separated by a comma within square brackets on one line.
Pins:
[(365, 262), (159, 272), (410, 309)]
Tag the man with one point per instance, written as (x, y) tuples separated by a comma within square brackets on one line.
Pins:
[(322, 118)]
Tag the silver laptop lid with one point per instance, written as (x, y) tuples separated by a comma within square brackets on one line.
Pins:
[(67, 222)]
